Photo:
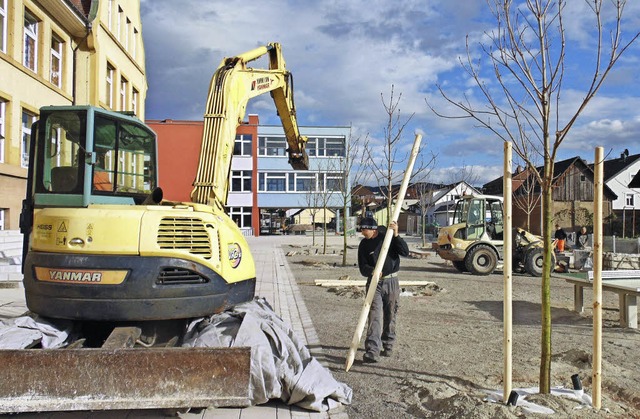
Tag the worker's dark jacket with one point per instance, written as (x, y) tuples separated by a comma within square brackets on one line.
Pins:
[(369, 250)]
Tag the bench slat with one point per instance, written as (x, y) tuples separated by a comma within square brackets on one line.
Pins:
[(619, 274)]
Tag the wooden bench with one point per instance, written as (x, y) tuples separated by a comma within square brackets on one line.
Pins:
[(625, 283)]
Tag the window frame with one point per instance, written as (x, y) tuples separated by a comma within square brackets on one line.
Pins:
[(56, 56), (3, 113), (109, 80), (25, 141), (243, 142), (272, 146), (3, 28), (242, 178), (242, 214), (629, 200), (267, 179), (30, 32), (134, 100), (124, 87)]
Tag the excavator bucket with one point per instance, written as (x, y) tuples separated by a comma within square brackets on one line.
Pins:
[(33, 380)]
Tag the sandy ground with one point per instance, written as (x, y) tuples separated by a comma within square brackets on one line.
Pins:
[(449, 355)]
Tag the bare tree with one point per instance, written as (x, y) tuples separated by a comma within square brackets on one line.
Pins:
[(351, 174), (526, 196), (384, 169), (312, 203), (464, 174), (329, 173), (527, 52)]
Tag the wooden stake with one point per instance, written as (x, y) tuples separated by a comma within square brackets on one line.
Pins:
[(375, 277), (597, 277), (507, 269)]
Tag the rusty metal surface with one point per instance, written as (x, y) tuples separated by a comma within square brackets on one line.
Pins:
[(98, 379)]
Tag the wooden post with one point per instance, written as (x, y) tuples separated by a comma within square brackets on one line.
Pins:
[(507, 187), (377, 270), (597, 277)]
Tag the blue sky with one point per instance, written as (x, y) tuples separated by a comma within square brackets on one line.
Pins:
[(344, 55)]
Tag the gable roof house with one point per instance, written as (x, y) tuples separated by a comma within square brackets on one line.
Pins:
[(443, 203), (572, 196), (618, 174)]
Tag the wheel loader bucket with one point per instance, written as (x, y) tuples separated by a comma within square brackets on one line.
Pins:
[(33, 380)]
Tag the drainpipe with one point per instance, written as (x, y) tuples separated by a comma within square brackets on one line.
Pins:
[(93, 12)]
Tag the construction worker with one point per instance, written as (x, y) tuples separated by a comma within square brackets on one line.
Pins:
[(560, 237), (381, 329)]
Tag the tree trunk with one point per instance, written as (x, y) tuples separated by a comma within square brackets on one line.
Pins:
[(344, 234), (545, 300)]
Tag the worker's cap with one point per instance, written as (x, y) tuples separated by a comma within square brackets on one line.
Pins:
[(368, 223)]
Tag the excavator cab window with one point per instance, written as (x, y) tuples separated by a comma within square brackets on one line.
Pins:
[(116, 152), (61, 156)]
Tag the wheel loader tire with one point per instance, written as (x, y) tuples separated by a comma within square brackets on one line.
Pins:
[(460, 265), (534, 260), (482, 260)]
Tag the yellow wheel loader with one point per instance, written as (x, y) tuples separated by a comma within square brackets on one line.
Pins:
[(474, 241), (104, 251)]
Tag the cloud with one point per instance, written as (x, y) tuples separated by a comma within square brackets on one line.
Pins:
[(346, 56)]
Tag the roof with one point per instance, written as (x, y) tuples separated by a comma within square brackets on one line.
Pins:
[(559, 168), (635, 182), (82, 6), (613, 167)]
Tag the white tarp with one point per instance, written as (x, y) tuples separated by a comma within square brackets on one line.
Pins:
[(282, 367)]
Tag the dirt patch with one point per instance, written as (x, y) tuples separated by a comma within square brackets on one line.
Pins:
[(449, 357)]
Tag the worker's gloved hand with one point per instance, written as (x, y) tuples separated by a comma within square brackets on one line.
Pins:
[(394, 226)]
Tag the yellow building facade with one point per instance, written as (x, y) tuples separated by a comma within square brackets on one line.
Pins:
[(62, 52)]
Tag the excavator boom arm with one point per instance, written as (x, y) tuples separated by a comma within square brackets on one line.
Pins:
[(232, 85)]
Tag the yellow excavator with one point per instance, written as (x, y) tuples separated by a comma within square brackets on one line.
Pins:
[(105, 252)]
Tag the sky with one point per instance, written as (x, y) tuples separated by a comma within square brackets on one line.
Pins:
[(346, 57)]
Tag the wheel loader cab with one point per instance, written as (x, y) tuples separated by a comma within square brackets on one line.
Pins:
[(483, 218)]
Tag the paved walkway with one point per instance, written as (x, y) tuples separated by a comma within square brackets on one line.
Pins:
[(277, 285)]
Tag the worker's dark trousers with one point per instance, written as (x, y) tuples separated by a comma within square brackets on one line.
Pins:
[(381, 332)]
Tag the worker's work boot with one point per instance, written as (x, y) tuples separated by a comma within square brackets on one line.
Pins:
[(369, 358), (387, 352)]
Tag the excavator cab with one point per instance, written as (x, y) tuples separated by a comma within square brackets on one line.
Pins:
[(86, 155)]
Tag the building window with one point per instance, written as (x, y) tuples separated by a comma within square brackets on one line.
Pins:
[(2, 129), (242, 146), (302, 182), (134, 101), (56, 61), (326, 147), (241, 181), (2, 210), (124, 83), (3, 25), (272, 146), (27, 120), (110, 15), (127, 29), (30, 59), (119, 23), (334, 182), (134, 44), (629, 200), (241, 216), (272, 182), (109, 85)]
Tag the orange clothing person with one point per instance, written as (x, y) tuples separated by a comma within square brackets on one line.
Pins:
[(560, 237)]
